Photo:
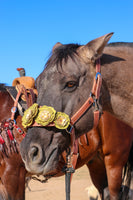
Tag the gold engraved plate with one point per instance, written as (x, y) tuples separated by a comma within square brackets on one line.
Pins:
[(62, 120), (29, 115), (45, 116)]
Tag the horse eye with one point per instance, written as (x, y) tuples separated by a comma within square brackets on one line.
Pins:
[(70, 84)]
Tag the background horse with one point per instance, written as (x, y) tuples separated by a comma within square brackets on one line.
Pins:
[(12, 169), (65, 84)]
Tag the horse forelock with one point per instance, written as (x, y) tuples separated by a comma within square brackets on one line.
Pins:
[(61, 54), (62, 60)]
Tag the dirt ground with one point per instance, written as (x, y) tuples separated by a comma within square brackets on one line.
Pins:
[(54, 189)]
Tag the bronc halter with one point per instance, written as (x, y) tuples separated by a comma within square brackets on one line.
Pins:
[(47, 116)]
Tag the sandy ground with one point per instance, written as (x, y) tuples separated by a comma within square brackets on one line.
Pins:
[(54, 189)]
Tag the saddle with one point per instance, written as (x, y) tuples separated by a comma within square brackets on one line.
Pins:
[(26, 85)]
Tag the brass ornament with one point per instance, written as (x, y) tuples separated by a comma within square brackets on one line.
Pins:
[(62, 120), (29, 115), (46, 115)]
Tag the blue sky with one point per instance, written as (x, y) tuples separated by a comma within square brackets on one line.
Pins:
[(30, 28)]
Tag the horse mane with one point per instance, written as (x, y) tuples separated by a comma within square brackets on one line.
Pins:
[(61, 54), (2, 87), (114, 44)]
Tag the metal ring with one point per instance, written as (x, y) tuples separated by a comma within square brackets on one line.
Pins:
[(98, 73), (12, 120), (70, 127), (13, 109)]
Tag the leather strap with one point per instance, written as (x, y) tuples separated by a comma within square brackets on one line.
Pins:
[(14, 108), (82, 110), (74, 150), (96, 118), (98, 65), (97, 86), (93, 98)]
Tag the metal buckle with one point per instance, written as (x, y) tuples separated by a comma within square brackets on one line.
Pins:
[(96, 105), (69, 129)]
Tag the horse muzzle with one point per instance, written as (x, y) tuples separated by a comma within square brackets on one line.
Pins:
[(35, 160)]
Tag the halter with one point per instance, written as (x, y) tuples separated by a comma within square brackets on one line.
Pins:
[(29, 115)]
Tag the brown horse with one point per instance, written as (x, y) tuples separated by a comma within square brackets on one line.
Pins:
[(12, 169), (65, 84)]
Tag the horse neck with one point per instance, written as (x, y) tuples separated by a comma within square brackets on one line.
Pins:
[(6, 104), (12, 184), (116, 91), (12, 170), (19, 137)]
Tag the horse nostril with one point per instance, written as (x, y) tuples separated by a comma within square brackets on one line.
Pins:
[(35, 154)]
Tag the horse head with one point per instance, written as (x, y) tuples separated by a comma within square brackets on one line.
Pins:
[(64, 85)]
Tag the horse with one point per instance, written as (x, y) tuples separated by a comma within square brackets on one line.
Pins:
[(12, 169), (63, 105), (13, 175)]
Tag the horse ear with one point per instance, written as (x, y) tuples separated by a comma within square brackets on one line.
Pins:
[(58, 44), (94, 49)]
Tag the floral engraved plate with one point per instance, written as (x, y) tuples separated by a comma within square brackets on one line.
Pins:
[(29, 115), (62, 120), (45, 116)]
